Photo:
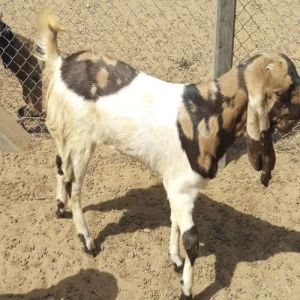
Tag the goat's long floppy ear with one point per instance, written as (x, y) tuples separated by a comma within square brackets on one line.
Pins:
[(259, 142), (1, 15)]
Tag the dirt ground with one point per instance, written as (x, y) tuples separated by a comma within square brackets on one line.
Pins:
[(250, 235)]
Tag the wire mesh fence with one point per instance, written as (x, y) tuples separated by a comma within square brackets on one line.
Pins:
[(267, 25), (169, 39)]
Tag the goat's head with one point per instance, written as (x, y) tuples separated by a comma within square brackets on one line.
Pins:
[(273, 87)]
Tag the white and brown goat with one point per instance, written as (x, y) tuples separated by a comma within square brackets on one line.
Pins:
[(178, 130)]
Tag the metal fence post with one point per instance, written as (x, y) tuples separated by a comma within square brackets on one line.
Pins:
[(224, 37)]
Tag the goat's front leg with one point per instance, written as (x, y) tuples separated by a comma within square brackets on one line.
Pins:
[(174, 245), (182, 205)]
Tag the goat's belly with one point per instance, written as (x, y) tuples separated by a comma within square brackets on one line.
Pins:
[(149, 145), (140, 120)]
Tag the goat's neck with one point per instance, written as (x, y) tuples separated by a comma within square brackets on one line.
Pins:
[(213, 114), (227, 100)]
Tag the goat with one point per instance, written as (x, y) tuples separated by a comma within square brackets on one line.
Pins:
[(16, 55), (178, 130)]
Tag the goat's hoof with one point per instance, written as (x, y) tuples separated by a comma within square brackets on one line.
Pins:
[(184, 297), (178, 269), (92, 250), (94, 253), (60, 212)]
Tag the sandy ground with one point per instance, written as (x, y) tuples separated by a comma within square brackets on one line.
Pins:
[(250, 234)]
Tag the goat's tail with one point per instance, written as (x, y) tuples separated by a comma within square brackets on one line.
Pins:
[(49, 26)]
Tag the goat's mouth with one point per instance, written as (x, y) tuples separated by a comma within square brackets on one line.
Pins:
[(285, 117), (285, 125), (286, 121)]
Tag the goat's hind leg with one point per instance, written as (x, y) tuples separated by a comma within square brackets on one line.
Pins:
[(63, 189), (80, 159)]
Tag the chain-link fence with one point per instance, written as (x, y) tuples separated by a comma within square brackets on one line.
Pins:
[(267, 25), (169, 39)]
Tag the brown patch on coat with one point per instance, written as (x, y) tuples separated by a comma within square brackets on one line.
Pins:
[(240, 127), (229, 115), (109, 61), (185, 122), (203, 89), (229, 83), (234, 116), (83, 70), (208, 141), (205, 159), (88, 55), (213, 125), (208, 90), (213, 91), (102, 78)]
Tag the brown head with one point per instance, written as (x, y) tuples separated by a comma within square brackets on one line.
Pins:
[(273, 87)]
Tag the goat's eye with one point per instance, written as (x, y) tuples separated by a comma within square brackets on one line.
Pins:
[(279, 93)]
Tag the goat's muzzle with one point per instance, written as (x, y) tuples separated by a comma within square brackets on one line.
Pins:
[(284, 118)]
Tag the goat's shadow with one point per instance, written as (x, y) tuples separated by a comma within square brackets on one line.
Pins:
[(230, 235), (87, 284)]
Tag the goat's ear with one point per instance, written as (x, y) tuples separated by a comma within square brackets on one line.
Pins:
[(265, 77), (1, 15), (277, 79), (269, 67), (253, 139), (259, 142)]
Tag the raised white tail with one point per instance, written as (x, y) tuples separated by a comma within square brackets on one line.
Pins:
[(47, 42)]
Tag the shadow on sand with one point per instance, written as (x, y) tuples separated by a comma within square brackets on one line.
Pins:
[(87, 284), (230, 235)]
